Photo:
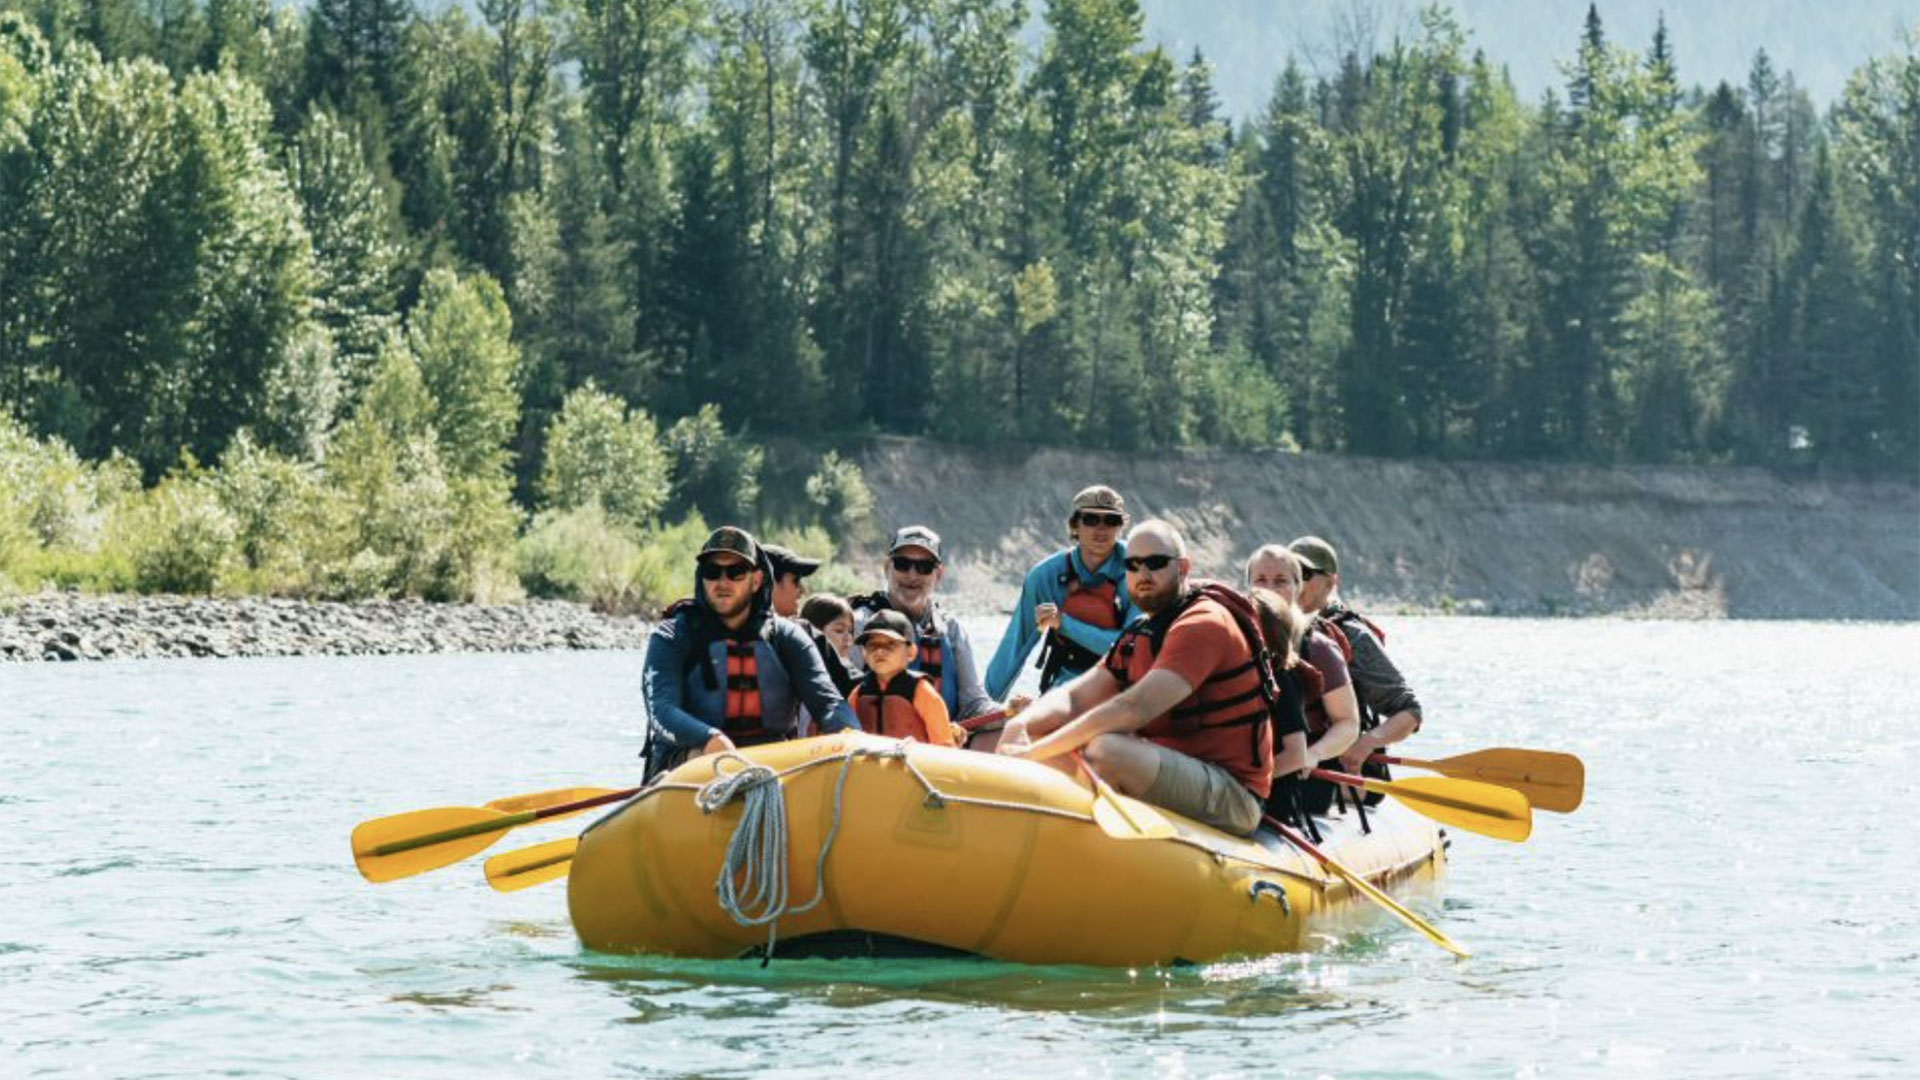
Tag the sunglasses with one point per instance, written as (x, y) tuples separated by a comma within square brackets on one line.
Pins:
[(713, 571), (1308, 573), (919, 566), (1102, 521), (1151, 563)]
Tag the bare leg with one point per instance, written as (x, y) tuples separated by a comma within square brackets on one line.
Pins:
[(1127, 763)]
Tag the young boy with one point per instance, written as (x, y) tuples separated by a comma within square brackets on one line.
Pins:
[(895, 702)]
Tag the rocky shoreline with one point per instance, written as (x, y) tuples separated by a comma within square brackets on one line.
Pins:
[(76, 626)]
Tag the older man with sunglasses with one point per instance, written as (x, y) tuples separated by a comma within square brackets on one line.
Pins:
[(1389, 711), (1076, 596), (941, 649), (721, 671)]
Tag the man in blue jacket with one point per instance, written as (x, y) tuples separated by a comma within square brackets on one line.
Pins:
[(721, 671), (1077, 596)]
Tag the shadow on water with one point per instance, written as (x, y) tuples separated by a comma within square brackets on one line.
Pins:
[(661, 988)]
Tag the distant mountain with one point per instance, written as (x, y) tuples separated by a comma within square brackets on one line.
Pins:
[(1819, 41)]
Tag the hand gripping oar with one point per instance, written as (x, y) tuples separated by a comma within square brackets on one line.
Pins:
[(1550, 780), (1488, 809), (1117, 819), (1366, 888), (402, 845)]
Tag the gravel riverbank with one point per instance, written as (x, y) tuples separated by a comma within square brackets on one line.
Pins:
[(75, 626)]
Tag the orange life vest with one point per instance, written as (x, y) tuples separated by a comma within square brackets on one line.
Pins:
[(1097, 605), (743, 693), (904, 709), (1226, 721)]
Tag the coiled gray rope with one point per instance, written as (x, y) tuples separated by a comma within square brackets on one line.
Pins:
[(752, 886)]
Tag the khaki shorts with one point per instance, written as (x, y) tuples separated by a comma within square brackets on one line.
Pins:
[(1202, 791)]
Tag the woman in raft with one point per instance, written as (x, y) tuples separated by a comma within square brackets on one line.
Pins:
[(895, 702)]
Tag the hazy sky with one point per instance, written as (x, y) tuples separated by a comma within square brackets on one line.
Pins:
[(1819, 41)]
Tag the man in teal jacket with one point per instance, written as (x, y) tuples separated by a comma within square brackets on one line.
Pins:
[(1076, 596)]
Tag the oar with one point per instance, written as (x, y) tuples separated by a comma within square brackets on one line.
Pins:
[(1116, 818), (975, 723), (1366, 888), (402, 845), (540, 800), (1550, 780), (1488, 809), (526, 867)]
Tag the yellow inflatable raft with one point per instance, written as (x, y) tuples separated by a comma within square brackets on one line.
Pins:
[(906, 844)]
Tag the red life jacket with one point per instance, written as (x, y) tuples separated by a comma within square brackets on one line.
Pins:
[(932, 655), (893, 711), (1227, 719), (742, 720), (1097, 605), (743, 692)]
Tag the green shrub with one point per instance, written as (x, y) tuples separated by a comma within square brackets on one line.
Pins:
[(397, 521), (388, 517), (580, 554), (714, 473), (275, 502), (663, 571), (845, 503), (600, 453), (177, 537)]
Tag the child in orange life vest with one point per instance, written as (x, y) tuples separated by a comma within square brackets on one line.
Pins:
[(895, 702)]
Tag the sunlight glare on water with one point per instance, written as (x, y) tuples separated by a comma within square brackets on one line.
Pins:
[(1732, 900)]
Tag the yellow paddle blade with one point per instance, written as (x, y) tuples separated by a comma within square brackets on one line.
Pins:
[(1118, 816), (1487, 809), (529, 866), (402, 845), (1129, 819), (1550, 780), (540, 800)]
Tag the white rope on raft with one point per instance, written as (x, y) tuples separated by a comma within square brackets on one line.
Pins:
[(752, 886)]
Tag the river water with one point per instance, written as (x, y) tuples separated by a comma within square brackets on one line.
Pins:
[(1735, 898)]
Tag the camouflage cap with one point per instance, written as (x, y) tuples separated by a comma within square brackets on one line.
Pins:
[(731, 540)]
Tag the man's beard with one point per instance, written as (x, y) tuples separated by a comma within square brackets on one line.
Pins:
[(741, 602), (1159, 601)]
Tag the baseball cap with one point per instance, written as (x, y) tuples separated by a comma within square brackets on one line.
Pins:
[(915, 536), (1316, 553), (886, 624), (1098, 497), (786, 562), (732, 541)]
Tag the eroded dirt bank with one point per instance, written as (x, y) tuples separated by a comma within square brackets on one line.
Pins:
[(1470, 537)]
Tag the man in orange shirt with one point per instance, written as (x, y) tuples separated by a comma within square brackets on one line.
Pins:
[(1175, 713)]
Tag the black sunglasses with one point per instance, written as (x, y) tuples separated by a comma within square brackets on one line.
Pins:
[(1308, 573), (1102, 521), (713, 571), (919, 566), (1150, 563)]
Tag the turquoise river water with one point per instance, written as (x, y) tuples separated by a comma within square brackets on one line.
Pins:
[(1735, 899)]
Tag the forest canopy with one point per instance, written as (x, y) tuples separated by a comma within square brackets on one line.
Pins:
[(466, 259)]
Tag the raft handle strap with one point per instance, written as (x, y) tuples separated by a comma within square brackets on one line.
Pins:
[(1273, 889)]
